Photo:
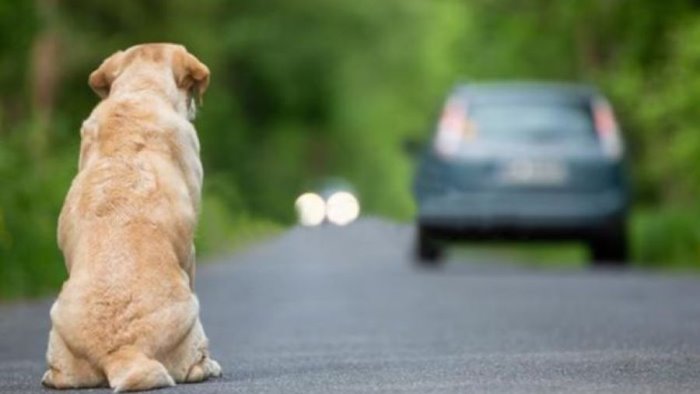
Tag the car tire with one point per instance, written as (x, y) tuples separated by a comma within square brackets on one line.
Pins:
[(427, 251), (608, 248)]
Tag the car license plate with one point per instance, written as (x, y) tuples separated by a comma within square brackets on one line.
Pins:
[(534, 172)]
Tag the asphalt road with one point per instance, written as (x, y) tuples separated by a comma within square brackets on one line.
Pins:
[(344, 310)]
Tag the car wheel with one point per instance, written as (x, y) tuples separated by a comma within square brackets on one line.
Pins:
[(609, 247), (427, 250)]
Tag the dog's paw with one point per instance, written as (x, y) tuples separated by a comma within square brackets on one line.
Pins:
[(52, 379), (215, 368), (47, 380), (203, 370)]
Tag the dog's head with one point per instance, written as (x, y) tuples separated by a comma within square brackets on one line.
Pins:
[(189, 74)]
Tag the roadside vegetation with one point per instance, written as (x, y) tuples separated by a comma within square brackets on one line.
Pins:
[(309, 88)]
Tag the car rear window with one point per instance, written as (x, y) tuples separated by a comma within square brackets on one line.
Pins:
[(532, 123)]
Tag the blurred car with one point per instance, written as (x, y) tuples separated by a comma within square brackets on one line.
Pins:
[(524, 161), (333, 201)]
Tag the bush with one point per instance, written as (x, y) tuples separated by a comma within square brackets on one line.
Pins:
[(666, 238), (30, 200)]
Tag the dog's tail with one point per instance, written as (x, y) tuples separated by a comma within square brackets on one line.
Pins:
[(128, 369)]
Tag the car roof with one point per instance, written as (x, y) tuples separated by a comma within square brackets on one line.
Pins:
[(522, 90)]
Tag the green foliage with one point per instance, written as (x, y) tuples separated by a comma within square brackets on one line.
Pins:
[(672, 119), (223, 228), (29, 204), (670, 235)]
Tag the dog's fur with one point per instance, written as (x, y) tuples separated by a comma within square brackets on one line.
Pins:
[(127, 316)]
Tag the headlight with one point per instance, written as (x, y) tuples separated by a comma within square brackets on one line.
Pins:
[(342, 208), (311, 209)]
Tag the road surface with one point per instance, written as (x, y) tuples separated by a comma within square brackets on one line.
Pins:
[(344, 310)]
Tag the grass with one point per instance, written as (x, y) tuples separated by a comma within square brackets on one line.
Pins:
[(533, 254), (666, 238), (222, 231)]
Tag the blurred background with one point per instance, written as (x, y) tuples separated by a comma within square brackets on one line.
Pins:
[(306, 89)]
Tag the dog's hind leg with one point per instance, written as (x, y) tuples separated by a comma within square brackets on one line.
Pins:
[(129, 369), (190, 361), (66, 370)]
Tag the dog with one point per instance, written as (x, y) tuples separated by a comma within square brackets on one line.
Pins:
[(127, 315)]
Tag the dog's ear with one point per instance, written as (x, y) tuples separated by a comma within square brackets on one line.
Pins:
[(190, 74), (101, 79)]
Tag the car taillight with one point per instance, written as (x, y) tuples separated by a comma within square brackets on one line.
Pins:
[(607, 129), (451, 128)]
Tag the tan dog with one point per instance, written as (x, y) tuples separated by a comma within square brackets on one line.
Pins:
[(127, 316)]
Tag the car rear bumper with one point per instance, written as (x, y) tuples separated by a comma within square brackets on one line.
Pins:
[(551, 215)]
